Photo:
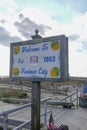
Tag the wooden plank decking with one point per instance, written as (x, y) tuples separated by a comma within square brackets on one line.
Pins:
[(76, 119)]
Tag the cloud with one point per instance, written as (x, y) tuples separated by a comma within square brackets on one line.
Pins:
[(5, 60), (84, 45), (6, 38), (73, 37), (21, 16), (2, 21), (27, 27)]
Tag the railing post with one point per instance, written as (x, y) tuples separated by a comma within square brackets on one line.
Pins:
[(5, 122), (77, 96), (45, 113), (65, 99), (71, 98)]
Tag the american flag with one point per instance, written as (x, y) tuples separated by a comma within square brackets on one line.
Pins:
[(51, 125)]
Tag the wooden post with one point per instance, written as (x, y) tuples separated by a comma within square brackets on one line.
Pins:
[(35, 108)]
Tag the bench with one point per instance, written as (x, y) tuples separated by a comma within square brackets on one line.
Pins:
[(64, 104)]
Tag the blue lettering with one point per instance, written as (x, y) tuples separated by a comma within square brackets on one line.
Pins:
[(42, 71), (31, 72), (45, 59), (20, 60), (49, 59), (45, 47), (29, 49)]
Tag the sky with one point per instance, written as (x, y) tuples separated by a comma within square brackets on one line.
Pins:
[(20, 18)]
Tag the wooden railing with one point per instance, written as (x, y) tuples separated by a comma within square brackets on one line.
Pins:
[(5, 114)]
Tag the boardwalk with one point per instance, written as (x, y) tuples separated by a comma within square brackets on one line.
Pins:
[(75, 118)]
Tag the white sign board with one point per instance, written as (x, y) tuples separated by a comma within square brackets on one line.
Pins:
[(36, 60)]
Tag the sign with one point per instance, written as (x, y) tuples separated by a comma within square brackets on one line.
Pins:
[(36, 59)]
